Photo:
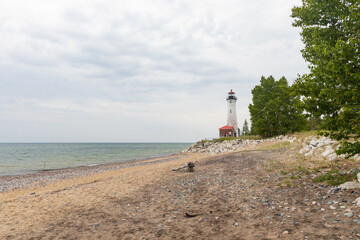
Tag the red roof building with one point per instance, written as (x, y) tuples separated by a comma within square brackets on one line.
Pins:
[(226, 127), (226, 131)]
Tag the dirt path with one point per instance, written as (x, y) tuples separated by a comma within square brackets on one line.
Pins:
[(228, 197)]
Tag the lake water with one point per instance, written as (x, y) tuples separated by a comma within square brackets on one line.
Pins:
[(22, 158)]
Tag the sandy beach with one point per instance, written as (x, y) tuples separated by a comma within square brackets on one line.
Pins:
[(237, 195), (29, 202)]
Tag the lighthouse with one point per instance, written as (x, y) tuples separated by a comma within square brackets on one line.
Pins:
[(231, 128)]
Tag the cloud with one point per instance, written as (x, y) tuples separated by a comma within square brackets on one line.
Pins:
[(154, 63)]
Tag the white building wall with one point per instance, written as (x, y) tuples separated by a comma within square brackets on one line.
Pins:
[(231, 115)]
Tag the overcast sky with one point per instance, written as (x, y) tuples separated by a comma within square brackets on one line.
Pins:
[(137, 70)]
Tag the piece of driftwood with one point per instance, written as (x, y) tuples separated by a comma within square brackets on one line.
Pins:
[(175, 169), (189, 215), (189, 165)]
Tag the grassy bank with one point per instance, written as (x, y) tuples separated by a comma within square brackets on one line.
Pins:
[(296, 166), (250, 137)]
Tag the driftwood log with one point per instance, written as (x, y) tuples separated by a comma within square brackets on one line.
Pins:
[(191, 215), (190, 166)]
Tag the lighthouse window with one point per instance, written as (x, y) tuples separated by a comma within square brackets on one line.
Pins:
[(230, 111)]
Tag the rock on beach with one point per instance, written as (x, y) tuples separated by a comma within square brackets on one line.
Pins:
[(212, 148), (323, 146)]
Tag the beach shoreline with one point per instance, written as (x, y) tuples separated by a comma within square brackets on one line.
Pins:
[(28, 208), (41, 177), (239, 195), (27, 158)]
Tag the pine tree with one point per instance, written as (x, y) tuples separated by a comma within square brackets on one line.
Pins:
[(245, 130)]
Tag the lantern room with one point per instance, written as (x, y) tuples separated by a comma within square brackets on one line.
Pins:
[(231, 96)]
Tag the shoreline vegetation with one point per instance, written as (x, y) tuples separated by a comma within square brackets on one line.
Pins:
[(285, 187)]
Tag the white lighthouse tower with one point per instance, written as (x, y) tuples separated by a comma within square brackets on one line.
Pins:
[(231, 115)]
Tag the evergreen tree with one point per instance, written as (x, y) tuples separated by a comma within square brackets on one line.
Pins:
[(331, 34), (245, 130), (275, 110)]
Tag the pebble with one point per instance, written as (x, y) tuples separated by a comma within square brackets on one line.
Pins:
[(286, 232), (338, 221), (236, 224), (332, 207), (349, 214)]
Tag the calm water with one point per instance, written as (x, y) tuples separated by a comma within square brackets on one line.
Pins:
[(21, 158)]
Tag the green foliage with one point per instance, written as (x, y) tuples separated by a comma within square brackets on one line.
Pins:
[(303, 170), (288, 183), (245, 130), (331, 34), (275, 109), (314, 123), (223, 139), (334, 177)]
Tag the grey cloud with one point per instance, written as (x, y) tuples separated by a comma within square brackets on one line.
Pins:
[(179, 58)]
